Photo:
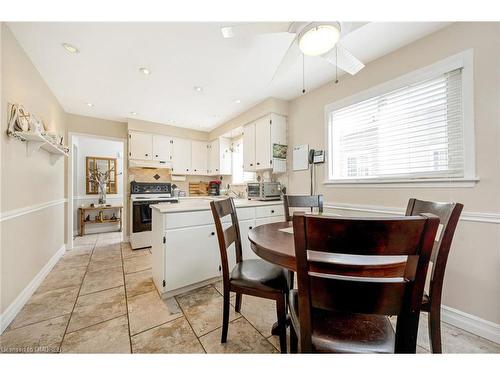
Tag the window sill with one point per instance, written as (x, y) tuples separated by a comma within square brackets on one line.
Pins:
[(434, 183)]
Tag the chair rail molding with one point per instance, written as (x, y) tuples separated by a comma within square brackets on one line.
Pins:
[(11, 214), (482, 217)]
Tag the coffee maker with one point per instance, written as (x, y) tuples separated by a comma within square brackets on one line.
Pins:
[(214, 187)]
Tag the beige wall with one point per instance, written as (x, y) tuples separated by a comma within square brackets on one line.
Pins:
[(270, 105), (95, 126), (472, 281), (27, 181), (173, 131)]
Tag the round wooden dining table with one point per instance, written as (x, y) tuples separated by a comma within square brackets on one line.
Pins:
[(274, 242)]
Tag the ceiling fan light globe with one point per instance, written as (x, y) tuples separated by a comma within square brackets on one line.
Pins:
[(318, 40)]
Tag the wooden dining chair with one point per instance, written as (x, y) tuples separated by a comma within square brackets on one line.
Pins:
[(254, 277), (352, 274), (301, 201), (449, 214)]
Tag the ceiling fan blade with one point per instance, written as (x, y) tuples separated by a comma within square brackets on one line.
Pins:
[(343, 59), (249, 29), (291, 56)]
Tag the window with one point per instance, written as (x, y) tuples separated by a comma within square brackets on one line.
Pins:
[(411, 129), (239, 176)]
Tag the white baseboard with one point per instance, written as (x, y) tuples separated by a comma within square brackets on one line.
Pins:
[(10, 313), (471, 323)]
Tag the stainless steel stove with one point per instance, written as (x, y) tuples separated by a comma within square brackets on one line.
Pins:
[(142, 195)]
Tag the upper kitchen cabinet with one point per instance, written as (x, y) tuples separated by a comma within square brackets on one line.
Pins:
[(199, 157), (150, 150), (249, 147), (264, 144), (219, 161), (140, 146), (181, 156), (162, 148)]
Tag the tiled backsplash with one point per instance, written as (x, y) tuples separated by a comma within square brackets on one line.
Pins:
[(164, 175)]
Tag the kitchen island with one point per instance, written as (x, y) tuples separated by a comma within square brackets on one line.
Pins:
[(185, 247)]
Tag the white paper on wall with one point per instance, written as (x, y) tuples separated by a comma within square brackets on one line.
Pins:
[(300, 157)]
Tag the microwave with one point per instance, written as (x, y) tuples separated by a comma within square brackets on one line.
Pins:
[(264, 191)]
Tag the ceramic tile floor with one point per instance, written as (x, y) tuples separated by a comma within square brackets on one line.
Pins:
[(100, 298)]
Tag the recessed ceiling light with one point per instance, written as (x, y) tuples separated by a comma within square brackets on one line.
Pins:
[(133, 113), (70, 48), (145, 71), (198, 88), (89, 105), (237, 101), (227, 32)]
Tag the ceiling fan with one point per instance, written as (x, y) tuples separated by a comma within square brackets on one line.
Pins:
[(319, 39)]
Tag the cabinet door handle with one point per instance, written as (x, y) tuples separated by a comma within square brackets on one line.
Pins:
[(258, 163), (195, 170), (250, 227), (146, 154), (212, 234), (156, 155), (251, 164), (272, 211)]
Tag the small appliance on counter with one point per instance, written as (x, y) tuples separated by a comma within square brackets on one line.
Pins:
[(264, 191), (214, 187)]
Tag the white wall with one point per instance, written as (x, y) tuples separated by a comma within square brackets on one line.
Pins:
[(93, 146)]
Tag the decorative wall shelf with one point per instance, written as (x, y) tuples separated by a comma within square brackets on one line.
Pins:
[(36, 141)]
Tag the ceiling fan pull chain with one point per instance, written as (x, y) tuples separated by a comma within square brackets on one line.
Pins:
[(336, 66), (303, 75)]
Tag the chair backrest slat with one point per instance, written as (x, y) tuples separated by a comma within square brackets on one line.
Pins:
[(361, 265), (449, 214), (301, 201), (228, 236)]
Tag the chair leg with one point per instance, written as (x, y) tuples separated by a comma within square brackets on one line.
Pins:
[(434, 326), (225, 318), (293, 340), (237, 305), (281, 312)]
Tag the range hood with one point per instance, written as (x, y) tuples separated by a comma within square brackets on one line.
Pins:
[(149, 164)]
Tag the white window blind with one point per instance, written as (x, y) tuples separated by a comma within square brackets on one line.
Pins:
[(414, 132)]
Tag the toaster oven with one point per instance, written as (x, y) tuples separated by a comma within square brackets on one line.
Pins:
[(264, 191)]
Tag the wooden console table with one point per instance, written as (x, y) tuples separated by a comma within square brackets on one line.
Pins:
[(83, 210)]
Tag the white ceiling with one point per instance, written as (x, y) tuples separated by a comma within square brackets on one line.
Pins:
[(181, 56)]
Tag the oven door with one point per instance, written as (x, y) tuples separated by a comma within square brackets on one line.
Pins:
[(141, 216)]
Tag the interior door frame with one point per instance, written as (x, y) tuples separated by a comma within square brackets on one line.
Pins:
[(70, 187)]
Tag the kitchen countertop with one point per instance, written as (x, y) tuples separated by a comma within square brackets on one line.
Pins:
[(188, 204)]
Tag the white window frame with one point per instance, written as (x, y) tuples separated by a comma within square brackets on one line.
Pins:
[(245, 180), (462, 60)]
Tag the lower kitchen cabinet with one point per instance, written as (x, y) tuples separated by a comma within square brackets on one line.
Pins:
[(185, 247), (192, 255)]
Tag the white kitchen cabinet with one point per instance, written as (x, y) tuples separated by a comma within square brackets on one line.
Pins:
[(259, 138), (192, 254), (181, 156), (140, 146), (219, 161), (220, 157), (185, 248), (199, 157), (249, 147), (162, 148), (263, 143)]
